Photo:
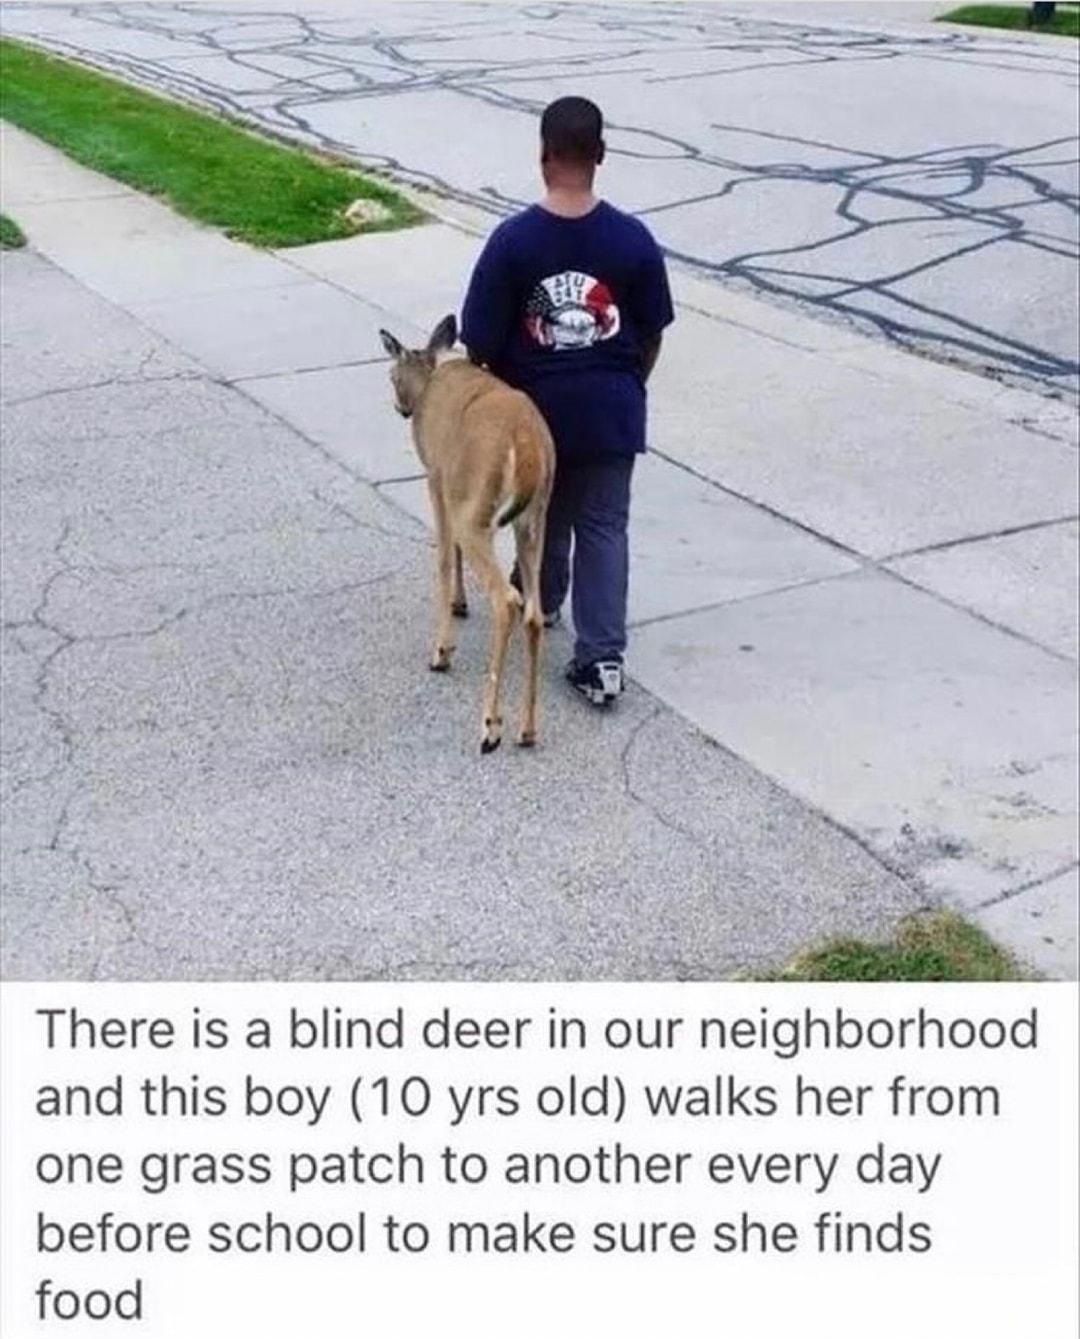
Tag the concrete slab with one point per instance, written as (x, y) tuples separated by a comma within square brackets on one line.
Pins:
[(1040, 925), (264, 331), (691, 545), (864, 460), (43, 354), (778, 328), (393, 270), (349, 412), (141, 483), (131, 249), (34, 173), (1025, 581), (941, 741)]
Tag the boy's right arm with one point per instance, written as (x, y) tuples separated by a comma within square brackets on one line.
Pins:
[(487, 316)]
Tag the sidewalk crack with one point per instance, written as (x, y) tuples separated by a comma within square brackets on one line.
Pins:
[(1003, 533), (1028, 887)]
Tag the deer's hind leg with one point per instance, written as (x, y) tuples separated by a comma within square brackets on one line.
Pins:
[(479, 550), (460, 605), (529, 536), (443, 649)]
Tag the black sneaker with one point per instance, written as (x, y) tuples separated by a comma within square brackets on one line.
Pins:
[(601, 682), (551, 620)]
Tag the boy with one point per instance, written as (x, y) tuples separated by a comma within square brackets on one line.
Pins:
[(567, 302)]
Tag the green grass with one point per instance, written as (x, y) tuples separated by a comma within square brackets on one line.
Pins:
[(937, 946), (206, 168), (10, 233), (1066, 20)]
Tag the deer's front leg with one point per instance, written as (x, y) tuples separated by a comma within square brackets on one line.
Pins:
[(443, 649)]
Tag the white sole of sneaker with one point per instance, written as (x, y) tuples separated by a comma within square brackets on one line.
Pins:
[(596, 696)]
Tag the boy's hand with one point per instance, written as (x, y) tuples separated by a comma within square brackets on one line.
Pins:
[(650, 353)]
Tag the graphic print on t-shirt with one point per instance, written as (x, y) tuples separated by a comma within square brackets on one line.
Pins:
[(570, 311)]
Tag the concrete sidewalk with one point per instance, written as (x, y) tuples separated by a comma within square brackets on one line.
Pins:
[(853, 569)]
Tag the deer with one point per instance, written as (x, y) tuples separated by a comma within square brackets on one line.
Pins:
[(490, 462)]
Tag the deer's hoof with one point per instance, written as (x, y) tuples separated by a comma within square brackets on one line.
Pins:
[(440, 660), (488, 745), (527, 739), (492, 736), (460, 609)]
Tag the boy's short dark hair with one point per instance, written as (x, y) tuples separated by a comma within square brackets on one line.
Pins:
[(571, 130)]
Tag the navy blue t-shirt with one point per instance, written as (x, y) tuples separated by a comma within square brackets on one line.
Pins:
[(561, 308)]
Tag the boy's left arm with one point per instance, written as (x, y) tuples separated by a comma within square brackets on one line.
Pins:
[(487, 317), (649, 354)]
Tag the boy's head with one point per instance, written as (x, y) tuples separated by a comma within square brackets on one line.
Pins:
[(571, 140)]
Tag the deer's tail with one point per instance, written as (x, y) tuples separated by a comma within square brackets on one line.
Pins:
[(523, 474), (513, 508)]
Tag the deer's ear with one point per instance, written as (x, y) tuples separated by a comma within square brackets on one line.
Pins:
[(392, 346), (444, 336)]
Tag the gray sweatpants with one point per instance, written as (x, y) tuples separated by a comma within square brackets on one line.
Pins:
[(588, 516)]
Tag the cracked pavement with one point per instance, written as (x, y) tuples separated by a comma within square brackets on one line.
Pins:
[(224, 756), (765, 145), (854, 635)]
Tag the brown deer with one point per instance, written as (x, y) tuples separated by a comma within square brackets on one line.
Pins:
[(490, 462)]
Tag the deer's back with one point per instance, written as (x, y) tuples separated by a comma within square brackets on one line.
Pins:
[(470, 421)]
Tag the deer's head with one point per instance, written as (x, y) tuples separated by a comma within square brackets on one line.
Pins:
[(411, 369)]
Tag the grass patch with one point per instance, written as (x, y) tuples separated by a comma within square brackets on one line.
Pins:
[(11, 234), (204, 167), (937, 946), (1066, 20)]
